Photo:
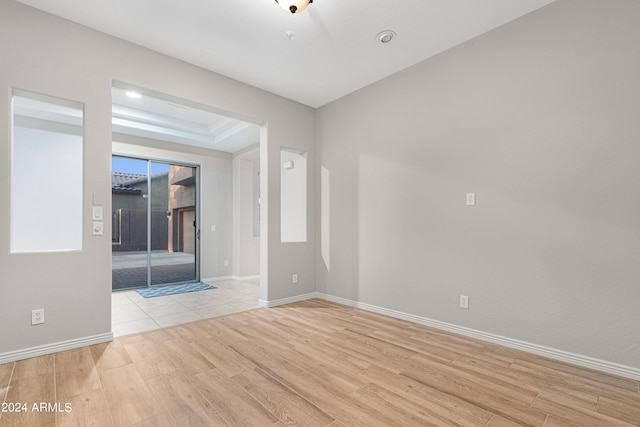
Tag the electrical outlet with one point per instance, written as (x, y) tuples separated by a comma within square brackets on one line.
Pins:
[(464, 302), (37, 316), (294, 278), (226, 263), (471, 199)]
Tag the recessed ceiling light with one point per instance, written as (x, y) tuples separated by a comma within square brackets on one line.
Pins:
[(385, 36), (134, 95)]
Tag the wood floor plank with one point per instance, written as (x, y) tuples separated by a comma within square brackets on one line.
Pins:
[(348, 410), (110, 355), (576, 417), (87, 409), (181, 399), (490, 385), (164, 419), (426, 348), (159, 335), (368, 346), (30, 391), (35, 366), (404, 411), (76, 372), (569, 397), (340, 376), (284, 403), (498, 421), (231, 401), (381, 323), (300, 329), (491, 356), (324, 314), (6, 370), (190, 332), (319, 349), (542, 370), (555, 422), (265, 335), (503, 376), (149, 359), (625, 408), (301, 323), (447, 341), (313, 389), (220, 329), (129, 397), (497, 399), (223, 357), (186, 358), (486, 361), (442, 405)]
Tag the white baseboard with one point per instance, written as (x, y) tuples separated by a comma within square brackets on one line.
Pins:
[(219, 278), (257, 276), (552, 353), (297, 298), (216, 279), (42, 350)]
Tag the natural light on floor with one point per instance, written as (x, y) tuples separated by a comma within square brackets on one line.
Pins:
[(132, 313)]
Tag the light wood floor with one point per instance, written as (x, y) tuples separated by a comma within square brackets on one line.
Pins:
[(310, 363)]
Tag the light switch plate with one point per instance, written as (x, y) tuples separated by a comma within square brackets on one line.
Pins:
[(97, 213), (98, 198)]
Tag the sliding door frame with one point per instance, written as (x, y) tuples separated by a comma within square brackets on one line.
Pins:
[(149, 196)]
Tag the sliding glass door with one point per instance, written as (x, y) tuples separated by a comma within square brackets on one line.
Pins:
[(154, 237)]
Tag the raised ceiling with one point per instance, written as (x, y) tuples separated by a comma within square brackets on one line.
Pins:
[(160, 117), (331, 49)]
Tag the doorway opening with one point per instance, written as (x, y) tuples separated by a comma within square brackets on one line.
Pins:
[(162, 130), (154, 223)]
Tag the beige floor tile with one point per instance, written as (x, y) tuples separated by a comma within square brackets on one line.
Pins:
[(126, 317), (132, 313), (124, 306), (177, 318), (158, 302)]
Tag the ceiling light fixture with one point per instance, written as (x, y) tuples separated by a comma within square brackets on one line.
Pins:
[(294, 6), (385, 36)]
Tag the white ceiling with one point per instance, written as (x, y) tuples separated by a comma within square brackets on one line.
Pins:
[(333, 50)]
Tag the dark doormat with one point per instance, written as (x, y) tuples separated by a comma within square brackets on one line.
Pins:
[(174, 289)]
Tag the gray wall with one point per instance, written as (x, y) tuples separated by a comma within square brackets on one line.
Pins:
[(72, 62), (541, 119), (246, 245)]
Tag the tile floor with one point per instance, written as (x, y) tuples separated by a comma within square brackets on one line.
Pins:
[(131, 313)]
